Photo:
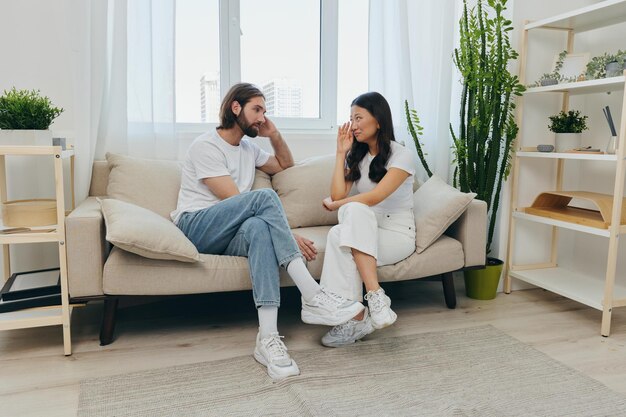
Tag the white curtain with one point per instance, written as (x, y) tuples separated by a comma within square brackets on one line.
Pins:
[(124, 71), (410, 58)]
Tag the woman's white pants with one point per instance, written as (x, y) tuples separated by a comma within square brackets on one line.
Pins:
[(388, 237)]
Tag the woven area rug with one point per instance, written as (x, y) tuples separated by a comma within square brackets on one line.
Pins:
[(479, 371)]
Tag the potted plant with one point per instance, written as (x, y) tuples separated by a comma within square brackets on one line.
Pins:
[(553, 77), (567, 128), (606, 65), (487, 129), (25, 117)]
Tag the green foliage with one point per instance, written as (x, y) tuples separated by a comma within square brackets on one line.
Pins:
[(596, 67), (416, 130), (23, 109), (556, 74), (487, 129), (570, 122)]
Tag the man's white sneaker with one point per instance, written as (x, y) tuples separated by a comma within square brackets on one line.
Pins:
[(379, 305), (272, 353), (329, 309), (348, 332)]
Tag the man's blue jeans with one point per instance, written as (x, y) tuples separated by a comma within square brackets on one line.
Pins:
[(251, 224)]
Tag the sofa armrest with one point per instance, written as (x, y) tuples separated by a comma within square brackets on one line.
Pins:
[(471, 230), (87, 249)]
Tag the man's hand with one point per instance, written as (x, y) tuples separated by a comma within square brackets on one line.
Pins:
[(329, 204), (268, 128), (306, 247)]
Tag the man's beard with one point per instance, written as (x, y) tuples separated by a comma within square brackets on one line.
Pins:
[(247, 128)]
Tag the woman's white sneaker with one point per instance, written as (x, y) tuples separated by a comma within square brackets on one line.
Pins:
[(272, 353), (329, 309), (379, 305), (348, 332)]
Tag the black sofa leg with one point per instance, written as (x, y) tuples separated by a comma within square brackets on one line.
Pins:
[(449, 293), (108, 320)]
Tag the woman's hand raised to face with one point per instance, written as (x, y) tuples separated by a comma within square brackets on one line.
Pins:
[(344, 138)]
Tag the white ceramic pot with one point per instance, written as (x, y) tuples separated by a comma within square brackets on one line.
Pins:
[(25, 138), (567, 141)]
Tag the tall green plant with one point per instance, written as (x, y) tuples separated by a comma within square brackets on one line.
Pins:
[(482, 143)]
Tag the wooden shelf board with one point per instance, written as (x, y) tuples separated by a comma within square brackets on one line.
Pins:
[(31, 237), (560, 155), (603, 85), (576, 215), (602, 14), (563, 224), (34, 317), (35, 150), (570, 283)]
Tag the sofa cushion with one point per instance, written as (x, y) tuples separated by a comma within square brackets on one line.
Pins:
[(302, 188), (149, 183), (126, 273), (141, 231), (436, 206)]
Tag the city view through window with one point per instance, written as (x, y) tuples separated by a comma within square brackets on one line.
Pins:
[(283, 60)]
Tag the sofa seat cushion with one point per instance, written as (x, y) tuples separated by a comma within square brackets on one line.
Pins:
[(128, 274), (443, 255)]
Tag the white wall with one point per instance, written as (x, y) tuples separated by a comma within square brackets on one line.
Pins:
[(35, 49), (575, 249)]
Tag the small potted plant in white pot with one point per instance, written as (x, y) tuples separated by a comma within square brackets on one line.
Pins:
[(568, 128), (25, 117)]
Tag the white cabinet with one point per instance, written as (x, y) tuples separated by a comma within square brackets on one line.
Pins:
[(599, 290)]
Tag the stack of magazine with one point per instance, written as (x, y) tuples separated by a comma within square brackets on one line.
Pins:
[(31, 289)]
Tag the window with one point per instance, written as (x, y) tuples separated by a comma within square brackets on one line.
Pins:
[(283, 59), (288, 48), (197, 61)]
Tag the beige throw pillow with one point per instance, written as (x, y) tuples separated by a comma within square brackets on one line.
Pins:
[(302, 188), (436, 206), (149, 183), (141, 231)]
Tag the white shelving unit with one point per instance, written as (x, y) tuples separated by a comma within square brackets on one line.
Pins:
[(52, 315), (600, 290)]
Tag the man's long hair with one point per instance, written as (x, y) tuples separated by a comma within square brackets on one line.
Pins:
[(241, 93), (378, 107)]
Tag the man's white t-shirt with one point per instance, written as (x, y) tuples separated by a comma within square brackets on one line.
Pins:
[(402, 198), (211, 156)]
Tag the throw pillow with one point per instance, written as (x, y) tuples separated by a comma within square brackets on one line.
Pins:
[(149, 183), (436, 206), (302, 188), (141, 231)]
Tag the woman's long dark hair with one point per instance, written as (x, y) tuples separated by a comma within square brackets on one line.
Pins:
[(378, 107)]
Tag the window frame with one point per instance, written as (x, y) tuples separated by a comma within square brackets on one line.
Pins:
[(230, 68)]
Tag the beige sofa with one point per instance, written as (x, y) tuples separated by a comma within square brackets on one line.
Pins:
[(98, 270)]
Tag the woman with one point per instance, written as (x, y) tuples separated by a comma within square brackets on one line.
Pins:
[(376, 226)]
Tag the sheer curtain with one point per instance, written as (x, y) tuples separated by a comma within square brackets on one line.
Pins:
[(124, 71), (410, 58)]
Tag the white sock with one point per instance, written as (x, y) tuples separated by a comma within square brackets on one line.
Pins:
[(268, 320), (302, 277)]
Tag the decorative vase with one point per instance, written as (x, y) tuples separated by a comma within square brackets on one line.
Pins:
[(548, 81), (567, 141), (614, 69), (482, 284)]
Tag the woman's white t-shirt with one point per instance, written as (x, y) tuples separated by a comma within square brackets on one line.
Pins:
[(211, 156), (402, 198)]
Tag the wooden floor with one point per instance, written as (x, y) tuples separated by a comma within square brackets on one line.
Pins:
[(36, 379)]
